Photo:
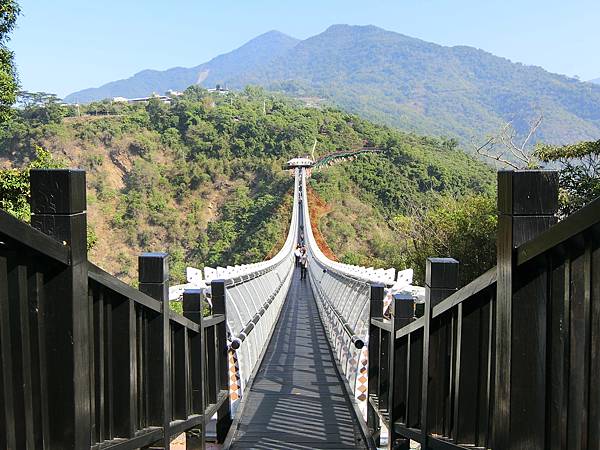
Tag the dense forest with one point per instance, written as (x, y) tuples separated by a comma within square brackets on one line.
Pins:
[(201, 178)]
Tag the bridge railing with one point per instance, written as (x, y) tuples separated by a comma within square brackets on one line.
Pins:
[(87, 361), (343, 293), (254, 295), (509, 360)]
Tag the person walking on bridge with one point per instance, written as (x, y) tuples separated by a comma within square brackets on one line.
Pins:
[(297, 255), (303, 264)]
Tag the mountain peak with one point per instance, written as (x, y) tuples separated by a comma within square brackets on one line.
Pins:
[(272, 36), (343, 27)]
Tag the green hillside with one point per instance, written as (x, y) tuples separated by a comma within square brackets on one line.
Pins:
[(396, 80), (202, 179)]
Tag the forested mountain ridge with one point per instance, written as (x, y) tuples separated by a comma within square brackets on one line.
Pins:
[(202, 179), (258, 51), (404, 82)]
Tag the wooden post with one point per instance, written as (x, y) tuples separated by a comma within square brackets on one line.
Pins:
[(153, 275), (402, 312), (217, 288), (192, 309), (527, 204), (375, 312), (58, 206), (441, 280)]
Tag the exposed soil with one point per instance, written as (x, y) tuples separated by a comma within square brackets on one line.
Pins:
[(317, 208)]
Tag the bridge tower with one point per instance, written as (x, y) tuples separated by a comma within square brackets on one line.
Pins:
[(299, 162)]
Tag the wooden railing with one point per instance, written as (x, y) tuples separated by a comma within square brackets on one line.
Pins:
[(510, 360), (88, 362)]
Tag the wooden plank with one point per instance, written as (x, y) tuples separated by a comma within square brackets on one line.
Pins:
[(180, 373), (594, 386), (470, 290), (99, 365), (17, 295), (125, 389), (7, 427), (579, 349), (558, 324), (39, 392), (108, 371), (108, 281), (571, 226), (23, 233)]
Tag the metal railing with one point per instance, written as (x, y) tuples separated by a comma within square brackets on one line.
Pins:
[(343, 293), (254, 295)]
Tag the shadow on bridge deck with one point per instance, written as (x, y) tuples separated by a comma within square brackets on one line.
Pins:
[(297, 400)]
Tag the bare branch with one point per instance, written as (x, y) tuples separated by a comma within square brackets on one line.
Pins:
[(496, 146)]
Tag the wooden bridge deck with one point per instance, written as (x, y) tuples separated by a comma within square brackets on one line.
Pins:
[(297, 400)]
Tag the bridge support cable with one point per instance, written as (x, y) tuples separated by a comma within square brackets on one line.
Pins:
[(254, 295)]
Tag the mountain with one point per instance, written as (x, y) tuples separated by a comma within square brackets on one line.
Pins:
[(397, 80), (259, 50), (595, 80), (202, 178)]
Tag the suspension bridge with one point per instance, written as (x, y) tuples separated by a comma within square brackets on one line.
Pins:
[(351, 357)]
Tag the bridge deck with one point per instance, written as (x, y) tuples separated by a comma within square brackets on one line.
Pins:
[(297, 400)]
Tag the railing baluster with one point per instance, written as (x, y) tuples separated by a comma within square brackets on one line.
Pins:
[(8, 438), (154, 281), (193, 300), (180, 372), (125, 368), (108, 369), (401, 314), (375, 312), (39, 388), (527, 204), (222, 358), (58, 205), (441, 280)]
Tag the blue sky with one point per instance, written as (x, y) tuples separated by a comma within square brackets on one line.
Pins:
[(65, 45)]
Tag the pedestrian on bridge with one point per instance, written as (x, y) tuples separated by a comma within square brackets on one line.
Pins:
[(303, 264), (297, 255)]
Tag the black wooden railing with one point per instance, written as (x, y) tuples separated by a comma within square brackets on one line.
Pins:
[(87, 361), (511, 360)]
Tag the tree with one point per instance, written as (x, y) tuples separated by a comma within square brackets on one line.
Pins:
[(461, 228), (578, 164), (40, 107), (14, 185), (503, 148), (9, 10), (579, 172)]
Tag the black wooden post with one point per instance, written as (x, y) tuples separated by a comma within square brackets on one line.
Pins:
[(441, 280), (192, 309), (402, 312), (217, 288), (58, 206), (375, 312), (527, 204), (153, 274)]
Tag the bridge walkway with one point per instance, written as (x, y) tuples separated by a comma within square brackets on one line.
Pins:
[(297, 400)]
